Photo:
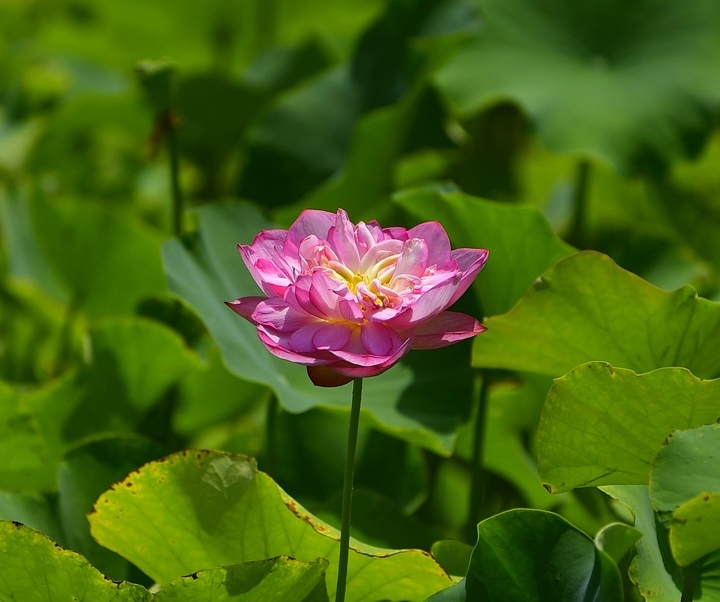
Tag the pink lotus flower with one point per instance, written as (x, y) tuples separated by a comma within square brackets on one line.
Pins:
[(349, 301)]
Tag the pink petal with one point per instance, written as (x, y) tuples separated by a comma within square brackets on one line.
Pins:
[(379, 339), (326, 293), (301, 340), (355, 370), (426, 306), (445, 329), (277, 314), (396, 233), (332, 336), (342, 240), (283, 352), (387, 342), (245, 306), (437, 240), (470, 262), (311, 221), (324, 376), (414, 258)]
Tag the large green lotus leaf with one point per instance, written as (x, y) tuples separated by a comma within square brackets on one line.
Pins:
[(279, 578), (84, 473), (521, 242), (685, 491), (532, 556), (35, 569), (586, 308), (415, 400), (653, 569), (218, 509), (106, 259), (633, 84), (605, 426)]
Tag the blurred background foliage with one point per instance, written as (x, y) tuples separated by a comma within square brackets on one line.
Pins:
[(593, 122)]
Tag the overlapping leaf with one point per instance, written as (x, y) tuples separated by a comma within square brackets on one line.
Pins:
[(532, 556), (685, 490)]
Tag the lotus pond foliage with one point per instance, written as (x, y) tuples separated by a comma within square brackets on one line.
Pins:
[(400, 176)]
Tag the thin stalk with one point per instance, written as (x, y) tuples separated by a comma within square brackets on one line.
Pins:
[(174, 157), (477, 483), (348, 490), (691, 574), (271, 426), (65, 338), (578, 229)]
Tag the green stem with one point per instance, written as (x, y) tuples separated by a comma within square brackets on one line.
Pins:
[(691, 574), (477, 486), (174, 157), (271, 426), (578, 229), (65, 338), (348, 490)]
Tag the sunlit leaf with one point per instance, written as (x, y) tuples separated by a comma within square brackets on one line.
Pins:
[(586, 308), (604, 426), (225, 512), (35, 569), (281, 578)]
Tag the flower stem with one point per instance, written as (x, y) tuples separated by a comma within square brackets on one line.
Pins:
[(174, 157), (348, 490), (578, 228), (690, 574), (477, 484)]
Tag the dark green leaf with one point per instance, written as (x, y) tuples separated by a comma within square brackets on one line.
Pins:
[(594, 76)]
